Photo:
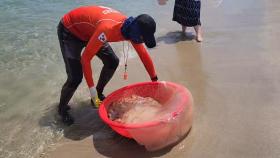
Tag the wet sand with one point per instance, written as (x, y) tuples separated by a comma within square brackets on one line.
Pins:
[(234, 76)]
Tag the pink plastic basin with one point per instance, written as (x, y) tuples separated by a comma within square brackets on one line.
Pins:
[(163, 92)]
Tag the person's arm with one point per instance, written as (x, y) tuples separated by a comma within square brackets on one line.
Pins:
[(95, 43), (146, 60), (90, 51)]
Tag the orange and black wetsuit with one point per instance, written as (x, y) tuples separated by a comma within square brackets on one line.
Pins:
[(93, 27)]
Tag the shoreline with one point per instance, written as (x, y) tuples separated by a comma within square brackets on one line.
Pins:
[(227, 75)]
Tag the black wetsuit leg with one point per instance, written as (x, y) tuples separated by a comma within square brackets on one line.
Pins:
[(111, 62), (71, 48)]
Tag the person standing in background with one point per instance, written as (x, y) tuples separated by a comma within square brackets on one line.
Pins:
[(187, 13)]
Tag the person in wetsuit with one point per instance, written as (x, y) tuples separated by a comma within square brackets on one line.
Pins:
[(92, 27)]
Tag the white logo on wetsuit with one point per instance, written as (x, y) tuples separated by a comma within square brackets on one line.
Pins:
[(102, 37), (108, 10)]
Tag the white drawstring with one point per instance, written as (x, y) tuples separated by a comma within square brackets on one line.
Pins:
[(125, 55)]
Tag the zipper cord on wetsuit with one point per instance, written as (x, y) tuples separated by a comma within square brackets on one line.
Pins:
[(125, 55)]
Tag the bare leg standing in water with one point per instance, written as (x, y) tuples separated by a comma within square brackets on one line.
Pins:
[(184, 28), (198, 32)]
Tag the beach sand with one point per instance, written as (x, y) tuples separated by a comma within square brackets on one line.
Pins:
[(234, 76)]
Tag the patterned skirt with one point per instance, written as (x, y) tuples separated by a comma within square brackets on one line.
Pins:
[(187, 12)]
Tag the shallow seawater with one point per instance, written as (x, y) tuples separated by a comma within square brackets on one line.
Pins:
[(32, 71)]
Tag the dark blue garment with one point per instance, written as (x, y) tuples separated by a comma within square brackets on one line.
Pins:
[(187, 12), (131, 31)]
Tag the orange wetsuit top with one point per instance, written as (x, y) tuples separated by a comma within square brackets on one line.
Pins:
[(97, 25)]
